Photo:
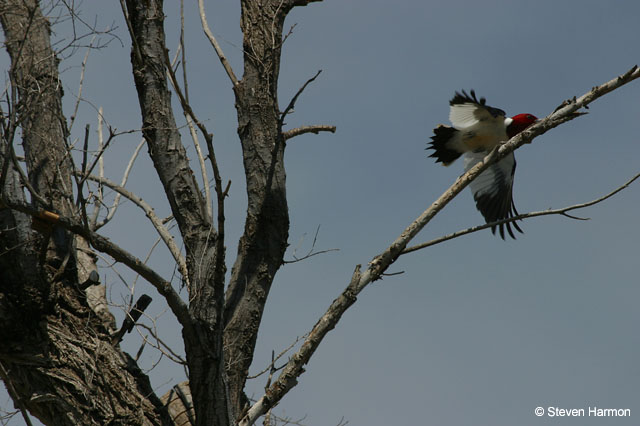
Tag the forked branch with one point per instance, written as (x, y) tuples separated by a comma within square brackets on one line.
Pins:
[(561, 211), (104, 245), (153, 218)]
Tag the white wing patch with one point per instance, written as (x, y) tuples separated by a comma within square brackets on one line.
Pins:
[(463, 115), (470, 114)]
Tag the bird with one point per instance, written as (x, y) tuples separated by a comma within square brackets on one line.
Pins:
[(476, 129)]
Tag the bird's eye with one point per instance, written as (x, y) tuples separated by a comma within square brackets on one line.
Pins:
[(529, 116)]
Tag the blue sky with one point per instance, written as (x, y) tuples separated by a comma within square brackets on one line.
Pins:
[(476, 330)]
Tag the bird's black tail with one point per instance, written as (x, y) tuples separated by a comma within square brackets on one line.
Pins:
[(440, 143)]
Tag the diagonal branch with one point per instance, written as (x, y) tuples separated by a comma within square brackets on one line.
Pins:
[(216, 46), (188, 112), (104, 245), (192, 131), (167, 238), (23, 177), (379, 264), (160, 130), (123, 182), (293, 101), (561, 211)]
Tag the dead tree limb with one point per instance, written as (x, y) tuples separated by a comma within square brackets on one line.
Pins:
[(163, 232), (561, 211), (316, 128)]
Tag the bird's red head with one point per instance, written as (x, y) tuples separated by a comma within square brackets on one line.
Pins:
[(519, 123)]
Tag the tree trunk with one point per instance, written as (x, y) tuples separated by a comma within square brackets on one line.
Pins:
[(56, 358), (262, 246), (59, 363), (203, 336)]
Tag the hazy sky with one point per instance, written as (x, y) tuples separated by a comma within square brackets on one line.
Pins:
[(476, 331)]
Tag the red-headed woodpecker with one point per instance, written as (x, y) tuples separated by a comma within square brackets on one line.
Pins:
[(477, 129)]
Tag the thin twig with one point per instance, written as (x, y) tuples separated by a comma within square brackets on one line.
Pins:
[(4, 374), (171, 353), (203, 167), (192, 131), (562, 211), (100, 195), (134, 42), (125, 178), (24, 179), (155, 221), (219, 267), (292, 103), (97, 157), (273, 360), (207, 135), (310, 253), (216, 46), (183, 53), (81, 201), (79, 96)]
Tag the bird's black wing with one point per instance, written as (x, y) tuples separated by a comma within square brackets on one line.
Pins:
[(492, 191)]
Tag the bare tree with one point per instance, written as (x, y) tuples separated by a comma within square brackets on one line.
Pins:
[(60, 358)]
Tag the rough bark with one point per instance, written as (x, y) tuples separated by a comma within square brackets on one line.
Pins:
[(34, 70), (203, 339), (262, 246), (56, 307), (55, 355)]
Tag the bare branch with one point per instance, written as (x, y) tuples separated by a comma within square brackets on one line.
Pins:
[(104, 245), (183, 52), (188, 116), (134, 41), (186, 107), (97, 157), (310, 253), (293, 369), (317, 128), (125, 178), (80, 84), (4, 374), (274, 359), (203, 168), (100, 196), (216, 46), (161, 345), (24, 179), (155, 220), (562, 211), (293, 101), (192, 130), (167, 152), (379, 264)]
